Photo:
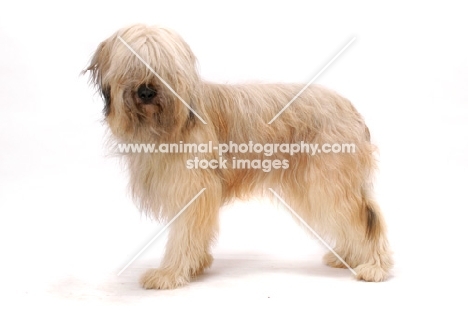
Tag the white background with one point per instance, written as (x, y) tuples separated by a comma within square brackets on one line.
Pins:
[(67, 224)]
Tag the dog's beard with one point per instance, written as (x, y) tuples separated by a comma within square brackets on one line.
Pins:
[(136, 116)]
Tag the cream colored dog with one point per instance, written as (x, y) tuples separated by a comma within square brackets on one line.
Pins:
[(332, 192)]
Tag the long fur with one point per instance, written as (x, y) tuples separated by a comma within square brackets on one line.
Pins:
[(331, 192)]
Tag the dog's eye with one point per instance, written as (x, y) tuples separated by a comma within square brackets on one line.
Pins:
[(107, 100)]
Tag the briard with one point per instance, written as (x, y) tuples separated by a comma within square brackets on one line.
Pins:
[(155, 96)]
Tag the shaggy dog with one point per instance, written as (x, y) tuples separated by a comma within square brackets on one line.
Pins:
[(154, 95)]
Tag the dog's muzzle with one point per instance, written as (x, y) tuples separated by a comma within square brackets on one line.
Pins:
[(146, 94)]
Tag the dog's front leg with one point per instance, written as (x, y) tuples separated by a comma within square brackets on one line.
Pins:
[(188, 248)]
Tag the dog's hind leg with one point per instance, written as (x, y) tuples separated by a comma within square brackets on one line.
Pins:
[(376, 260), (342, 212), (361, 242)]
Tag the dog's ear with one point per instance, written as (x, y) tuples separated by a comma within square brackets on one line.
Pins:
[(98, 63)]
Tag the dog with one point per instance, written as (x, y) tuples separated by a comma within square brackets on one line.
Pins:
[(153, 94)]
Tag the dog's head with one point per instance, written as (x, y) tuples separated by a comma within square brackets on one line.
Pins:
[(147, 76)]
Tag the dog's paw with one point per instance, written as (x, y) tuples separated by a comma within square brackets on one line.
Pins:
[(162, 279), (371, 273), (331, 260)]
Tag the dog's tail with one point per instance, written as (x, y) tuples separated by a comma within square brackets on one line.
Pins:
[(372, 217)]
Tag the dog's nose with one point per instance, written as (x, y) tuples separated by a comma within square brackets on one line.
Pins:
[(146, 93)]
